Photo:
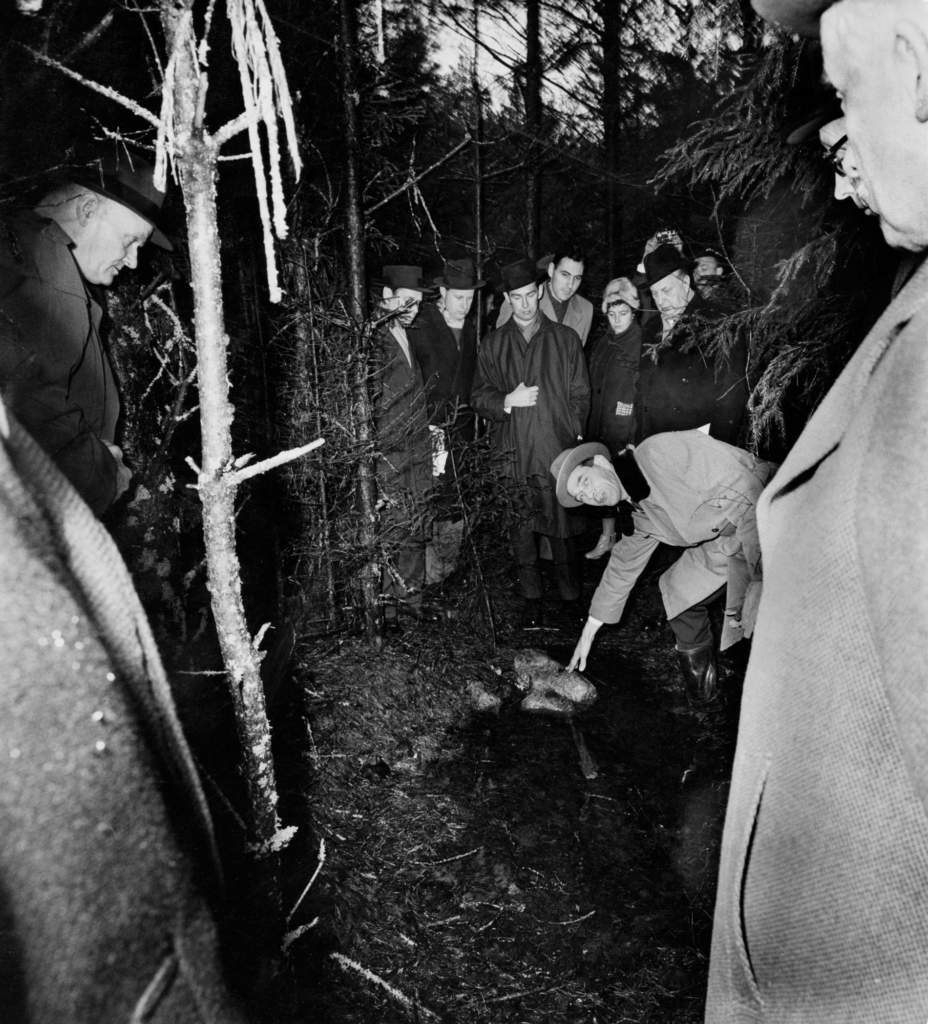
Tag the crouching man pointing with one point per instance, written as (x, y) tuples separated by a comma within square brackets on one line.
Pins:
[(688, 490)]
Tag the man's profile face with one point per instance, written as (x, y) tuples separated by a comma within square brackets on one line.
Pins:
[(565, 278), (407, 300), (457, 302), (594, 485), (672, 293), (109, 240), (524, 302), (873, 70)]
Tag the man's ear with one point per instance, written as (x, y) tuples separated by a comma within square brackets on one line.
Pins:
[(387, 292), (551, 271), (602, 461), (912, 43), (88, 204)]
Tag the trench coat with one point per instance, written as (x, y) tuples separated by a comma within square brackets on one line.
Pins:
[(822, 903), (686, 387), (614, 367), (703, 495), (579, 313), (531, 438), (107, 854), (55, 374), (447, 364)]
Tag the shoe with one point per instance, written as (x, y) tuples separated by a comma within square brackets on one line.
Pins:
[(700, 676), (531, 615), (604, 545)]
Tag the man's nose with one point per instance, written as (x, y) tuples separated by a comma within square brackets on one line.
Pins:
[(131, 259), (843, 187)]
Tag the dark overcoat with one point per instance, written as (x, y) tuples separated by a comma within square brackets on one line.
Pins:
[(685, 383), (533, 437), (822, 903), (54, 372), (447, 364), (614, 368), (106, 848)]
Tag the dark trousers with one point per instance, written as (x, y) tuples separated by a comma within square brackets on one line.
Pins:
[(691, 628), (564, 555)]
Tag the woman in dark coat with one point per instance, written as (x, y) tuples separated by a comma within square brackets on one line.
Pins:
[(614, 360)]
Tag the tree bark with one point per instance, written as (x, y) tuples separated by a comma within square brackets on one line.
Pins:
[(361, 418)]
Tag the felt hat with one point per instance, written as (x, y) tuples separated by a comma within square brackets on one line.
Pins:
[(519, 274), (460, 274), (800, 16), (129, 181), (809, 123), (567, 462), (663, 261), (402, 275)]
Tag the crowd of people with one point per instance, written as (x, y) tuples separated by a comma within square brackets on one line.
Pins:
[(820, 911)]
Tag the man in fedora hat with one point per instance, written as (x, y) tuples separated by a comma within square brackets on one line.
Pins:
[(444, 338), (686, 381), (689, 491), (560, 299), (532, 385), (820, 906), (54, 370), (404, 463)]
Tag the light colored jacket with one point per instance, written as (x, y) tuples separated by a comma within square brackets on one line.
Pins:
[(579, 313), (822, 903), (703, 497)]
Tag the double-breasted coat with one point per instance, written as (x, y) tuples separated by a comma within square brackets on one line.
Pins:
[(822, 902), (54, 371), (532, 437), (702, 498)]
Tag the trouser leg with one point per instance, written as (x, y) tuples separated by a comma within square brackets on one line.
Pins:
[(525, 549), (691, 627), (566, 569)]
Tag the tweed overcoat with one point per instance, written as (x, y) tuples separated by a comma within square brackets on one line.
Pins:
[(105, 840), (55, 374), (579, 313), (822, 905), (531, 438)]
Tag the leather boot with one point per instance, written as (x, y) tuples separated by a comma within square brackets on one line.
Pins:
[(700, 676), (604, 545)]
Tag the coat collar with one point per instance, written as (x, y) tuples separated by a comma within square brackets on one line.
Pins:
[(630, 476)]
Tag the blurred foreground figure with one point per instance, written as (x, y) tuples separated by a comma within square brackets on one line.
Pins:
[(105, 838), (822, 905)]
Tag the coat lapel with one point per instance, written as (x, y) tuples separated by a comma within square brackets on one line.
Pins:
[(825, 430)]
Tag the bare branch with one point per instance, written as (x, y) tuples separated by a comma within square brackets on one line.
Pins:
[(412, 182), (104, 90), (277, 460)]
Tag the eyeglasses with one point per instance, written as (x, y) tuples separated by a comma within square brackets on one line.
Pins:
[(834, 155), (618, 304)]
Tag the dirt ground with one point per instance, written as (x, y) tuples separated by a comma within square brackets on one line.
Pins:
[(471, 872)]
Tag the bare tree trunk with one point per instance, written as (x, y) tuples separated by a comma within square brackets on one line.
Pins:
[(355, 238), (196, 159), (478, 161), (533, 125)]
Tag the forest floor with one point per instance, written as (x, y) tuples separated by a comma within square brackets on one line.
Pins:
[(469, 866)]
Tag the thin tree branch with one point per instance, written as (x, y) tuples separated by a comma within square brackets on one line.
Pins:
[(234, 127), (411, 182), (277, 460), (104, 90)]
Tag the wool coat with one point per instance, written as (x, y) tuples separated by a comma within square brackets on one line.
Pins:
[(106, 847), (614, 367), (703, 495), (447, 364), (822, 902), (579, 313), (55, 374), (531, 438), (684, 385)]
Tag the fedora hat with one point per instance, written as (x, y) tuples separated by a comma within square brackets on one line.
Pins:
[(403, 275), (128, 180), (519, 273), (567, 462), (801, 16), (460, 274), (663, 261)]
